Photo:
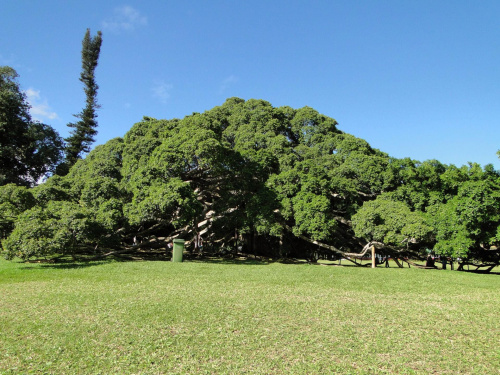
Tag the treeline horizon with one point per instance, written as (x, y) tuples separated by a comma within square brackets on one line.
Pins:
[(271, 181)]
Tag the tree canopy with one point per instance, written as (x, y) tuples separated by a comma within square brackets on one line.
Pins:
[(28, 149), (273, 181)]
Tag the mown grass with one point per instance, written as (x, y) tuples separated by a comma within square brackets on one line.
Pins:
[(244, 317)]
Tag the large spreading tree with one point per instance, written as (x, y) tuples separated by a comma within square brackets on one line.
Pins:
[(273, 181)]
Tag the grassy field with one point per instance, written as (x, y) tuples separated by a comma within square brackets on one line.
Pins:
[(245, 318)]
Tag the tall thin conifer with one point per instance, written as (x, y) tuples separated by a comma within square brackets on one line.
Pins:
[(84, 130)]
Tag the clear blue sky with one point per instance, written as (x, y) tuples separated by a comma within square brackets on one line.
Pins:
[(415, 78)]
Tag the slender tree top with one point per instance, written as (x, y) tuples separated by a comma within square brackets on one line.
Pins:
[(84, 130)]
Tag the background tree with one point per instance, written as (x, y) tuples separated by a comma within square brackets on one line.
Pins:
[(84, 130), (28, 149)]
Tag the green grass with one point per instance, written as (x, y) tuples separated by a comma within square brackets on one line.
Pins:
[(252, 318)]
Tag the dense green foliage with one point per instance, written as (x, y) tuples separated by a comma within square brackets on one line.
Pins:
[(14, 200), (28, 149), (280, 182), (84, 130)]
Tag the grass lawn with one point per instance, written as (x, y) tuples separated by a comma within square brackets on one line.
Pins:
[(245, 318)]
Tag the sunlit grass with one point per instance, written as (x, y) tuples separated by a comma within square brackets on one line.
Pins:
[(244, 317)]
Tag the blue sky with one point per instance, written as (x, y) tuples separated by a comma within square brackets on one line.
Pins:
[(416, 79)]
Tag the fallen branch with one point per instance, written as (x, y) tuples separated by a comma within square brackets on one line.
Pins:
[(344, 254)]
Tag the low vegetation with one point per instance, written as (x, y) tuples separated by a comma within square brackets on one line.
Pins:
[(245, 317)]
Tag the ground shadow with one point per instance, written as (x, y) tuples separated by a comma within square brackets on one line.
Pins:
[(68, 263), (242, 261), (65, 264)]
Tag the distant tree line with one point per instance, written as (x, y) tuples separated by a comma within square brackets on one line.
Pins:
[(249, 177)]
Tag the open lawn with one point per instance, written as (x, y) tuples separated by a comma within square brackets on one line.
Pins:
[(245, 318)]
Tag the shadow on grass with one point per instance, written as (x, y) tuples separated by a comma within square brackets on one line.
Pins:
[(65, 264), (481, 272), (68, 263), (247, 262)]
